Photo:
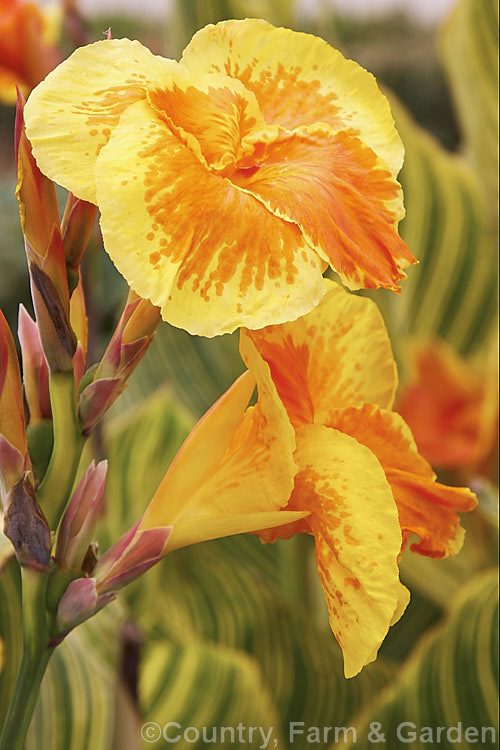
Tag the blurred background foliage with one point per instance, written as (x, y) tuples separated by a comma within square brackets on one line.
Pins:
[(235, 631)]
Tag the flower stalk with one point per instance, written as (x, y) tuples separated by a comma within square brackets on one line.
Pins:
[(57, 483), (36, 655)]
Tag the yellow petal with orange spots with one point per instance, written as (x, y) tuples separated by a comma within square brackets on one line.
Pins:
[(298, 79), (349, 204), (426, 507), (184, 237), (337, 355), (357, 537), (71, 114), (234, 472)]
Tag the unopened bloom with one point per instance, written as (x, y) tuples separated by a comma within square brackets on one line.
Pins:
[(451, 407), (14, 459), (360, 476), (129, 343), (229, 181)]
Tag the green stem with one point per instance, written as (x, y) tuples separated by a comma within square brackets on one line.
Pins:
[(54, 491), (36, 654)]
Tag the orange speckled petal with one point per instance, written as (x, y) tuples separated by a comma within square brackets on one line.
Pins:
[(338, 354), (211, 115), (355, 524), (71, 114), (298, 79), (426, 507), (345, 201), (211, 256)]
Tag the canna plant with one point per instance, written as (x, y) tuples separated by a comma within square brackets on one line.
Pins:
[(222, 202)]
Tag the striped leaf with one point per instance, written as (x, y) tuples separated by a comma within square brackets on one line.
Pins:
[(199, 370), (75, 707), (452, 679), (469, 47), (201, 689), (218, 594), (452, 292)]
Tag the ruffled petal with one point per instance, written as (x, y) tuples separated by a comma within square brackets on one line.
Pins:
[(426, 507), (211, 114), (298, 79), (349, 204), (338, 354), (211, 256), (71, 114), (357, 536)]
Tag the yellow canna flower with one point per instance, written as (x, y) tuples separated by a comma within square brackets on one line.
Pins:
[(360, 476), (229, 181), (234, 473)]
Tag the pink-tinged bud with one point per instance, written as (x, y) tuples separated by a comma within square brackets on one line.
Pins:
[(12, 422), (131, 556), (131, 338), (76, 226), (80, 518), (130, 341), (96, 399), (35, 368), (80, 601)]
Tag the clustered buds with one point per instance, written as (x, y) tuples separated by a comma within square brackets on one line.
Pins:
[(127, 559), (36, 409)]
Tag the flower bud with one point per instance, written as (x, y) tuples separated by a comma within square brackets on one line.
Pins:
[(13, 444), (35, 368), (131, 556), (80, 518), (130, 341)]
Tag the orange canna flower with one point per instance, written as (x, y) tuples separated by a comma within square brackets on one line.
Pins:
[(451, 408), (27, 49), (229, 181), (360, 476)]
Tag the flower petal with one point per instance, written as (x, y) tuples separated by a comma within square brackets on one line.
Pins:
[(349, 204), (203, 528), (426, 507), (235, 471), (71, 114), (199, 456), (211, 114), (184, 237), (355, 525), (338, 354), (298, 79)]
